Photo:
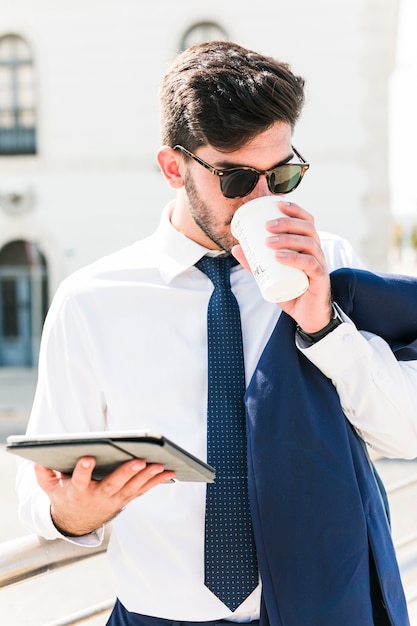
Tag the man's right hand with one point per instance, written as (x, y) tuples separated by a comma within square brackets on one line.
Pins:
[(80, 504)]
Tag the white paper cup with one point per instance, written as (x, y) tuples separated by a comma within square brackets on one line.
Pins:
[(277, 282)]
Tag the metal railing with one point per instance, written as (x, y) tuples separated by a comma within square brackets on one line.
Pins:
[(28, 557)]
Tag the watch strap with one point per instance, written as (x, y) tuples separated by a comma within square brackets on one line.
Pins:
[(311, 338)]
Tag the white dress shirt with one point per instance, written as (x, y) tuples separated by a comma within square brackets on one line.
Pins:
[(125, 348)]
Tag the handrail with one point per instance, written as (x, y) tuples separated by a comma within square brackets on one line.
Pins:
[(406, 541), (82, 616), (401, 484), (31, 556)]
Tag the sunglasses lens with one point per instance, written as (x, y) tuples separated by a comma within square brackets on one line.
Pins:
[(238, 183), (285, 178)]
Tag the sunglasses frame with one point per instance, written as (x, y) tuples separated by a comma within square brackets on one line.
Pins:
[(225, 172)]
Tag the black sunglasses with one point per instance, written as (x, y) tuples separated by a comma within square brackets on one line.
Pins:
[(237, 182)]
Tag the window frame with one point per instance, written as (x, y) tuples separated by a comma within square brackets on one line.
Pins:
[(17, 138)]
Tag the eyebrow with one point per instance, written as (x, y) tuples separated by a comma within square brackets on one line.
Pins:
[(226, 165)]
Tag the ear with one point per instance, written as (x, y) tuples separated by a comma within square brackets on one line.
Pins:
[(170, 163)]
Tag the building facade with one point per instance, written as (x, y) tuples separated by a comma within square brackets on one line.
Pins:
[(79, 131)]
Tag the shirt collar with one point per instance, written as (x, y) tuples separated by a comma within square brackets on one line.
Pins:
[(179, 253)]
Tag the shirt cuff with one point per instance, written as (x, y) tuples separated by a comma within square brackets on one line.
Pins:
[(337, 351), (91, 540), (48, 529)]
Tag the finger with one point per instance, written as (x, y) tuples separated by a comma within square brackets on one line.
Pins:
[(138, 484), (145, 481), (292, 209), (115, 481), (240, 256), (82, 474), (295, 242), (296, 221), (314, 266), (46, 477), (292, 226), (299, 250), (152, 473), (158, 479)]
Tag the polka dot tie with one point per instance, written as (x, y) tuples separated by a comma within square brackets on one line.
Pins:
[(231, 571)]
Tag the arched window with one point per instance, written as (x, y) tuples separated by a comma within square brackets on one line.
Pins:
[(23, 302), (17, 97)]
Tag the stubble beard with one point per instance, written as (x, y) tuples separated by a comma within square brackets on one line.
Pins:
[(204, 217)]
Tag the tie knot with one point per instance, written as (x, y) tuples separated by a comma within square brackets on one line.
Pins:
[(217, 269)]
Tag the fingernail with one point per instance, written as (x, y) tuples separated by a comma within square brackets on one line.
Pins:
[(138, 465), (156, 470), (281, 253), (86, 464)]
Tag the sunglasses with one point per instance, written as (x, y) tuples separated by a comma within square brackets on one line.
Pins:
[(237, 182)]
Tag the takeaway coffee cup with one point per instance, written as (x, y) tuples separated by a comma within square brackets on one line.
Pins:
[(277, 282)]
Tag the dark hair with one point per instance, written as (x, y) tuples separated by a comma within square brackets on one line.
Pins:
[(222, 94)]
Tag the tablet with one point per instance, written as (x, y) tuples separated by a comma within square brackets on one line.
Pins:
[(61, 452)]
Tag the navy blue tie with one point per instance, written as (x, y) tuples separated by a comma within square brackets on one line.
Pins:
[(231, 571)]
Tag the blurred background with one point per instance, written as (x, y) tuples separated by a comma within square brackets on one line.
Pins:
[(79, 129), (79, 132)]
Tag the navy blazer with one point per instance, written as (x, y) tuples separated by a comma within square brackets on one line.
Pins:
[(319, 509)]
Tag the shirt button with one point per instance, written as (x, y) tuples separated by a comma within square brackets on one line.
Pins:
[(348, 338)]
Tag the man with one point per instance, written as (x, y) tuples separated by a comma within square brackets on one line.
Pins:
[(125, 348)]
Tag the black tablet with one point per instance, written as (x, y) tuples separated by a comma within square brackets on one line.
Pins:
[(110, 449)]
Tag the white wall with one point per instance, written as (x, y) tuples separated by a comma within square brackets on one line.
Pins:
[(99, 64)]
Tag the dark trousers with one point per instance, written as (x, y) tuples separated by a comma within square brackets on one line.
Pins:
[(122, 617)]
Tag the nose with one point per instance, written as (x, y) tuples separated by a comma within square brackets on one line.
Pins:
[(261, 189)]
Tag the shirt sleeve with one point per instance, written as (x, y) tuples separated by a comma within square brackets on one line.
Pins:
[(378, 394), (68, 398)]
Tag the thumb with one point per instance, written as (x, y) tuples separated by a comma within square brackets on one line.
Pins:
[(240, 256)]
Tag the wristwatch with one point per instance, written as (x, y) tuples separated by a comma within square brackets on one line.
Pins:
[(311, 338)]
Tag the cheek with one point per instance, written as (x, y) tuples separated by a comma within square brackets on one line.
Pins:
[(203, 190), (208, 186)]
